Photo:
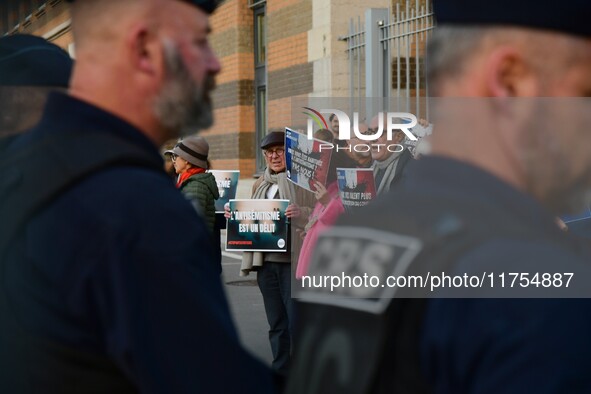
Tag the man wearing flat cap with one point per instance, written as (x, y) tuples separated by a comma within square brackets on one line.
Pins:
[(95, 297), (511, 150), (274, 270)]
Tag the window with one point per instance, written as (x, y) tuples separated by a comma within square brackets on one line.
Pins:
[(260, 81), (260, 37), (261, 123)]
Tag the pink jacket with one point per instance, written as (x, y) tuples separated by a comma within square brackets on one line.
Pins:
[(326, 218)]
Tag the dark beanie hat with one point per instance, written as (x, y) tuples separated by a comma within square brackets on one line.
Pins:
[(208, 6), (567, 16), (27, 60)]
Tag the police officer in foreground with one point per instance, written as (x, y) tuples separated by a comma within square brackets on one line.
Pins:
[(94, 296), (484, 202)]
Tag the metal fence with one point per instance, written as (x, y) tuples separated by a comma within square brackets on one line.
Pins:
[(386, 52)]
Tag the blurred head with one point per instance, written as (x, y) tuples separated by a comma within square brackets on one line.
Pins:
[(359, 154), (161, 67), (324, 135), (273, 146), (184, 104), (334, 125), (166, 152), (30, 67), (526, 136)]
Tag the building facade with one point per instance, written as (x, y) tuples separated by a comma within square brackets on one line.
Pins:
[(49, 19), (271, 52)]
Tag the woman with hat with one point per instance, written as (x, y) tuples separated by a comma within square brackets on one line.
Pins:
[(190, 163)]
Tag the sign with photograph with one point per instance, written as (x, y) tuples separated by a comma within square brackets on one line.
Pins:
[(257, 226), (227, 182), (306, 162), (356, 186)]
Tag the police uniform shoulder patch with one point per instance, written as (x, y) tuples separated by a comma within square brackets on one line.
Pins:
[(351, 266)]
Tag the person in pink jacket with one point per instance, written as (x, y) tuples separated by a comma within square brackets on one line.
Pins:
[(326, 211)]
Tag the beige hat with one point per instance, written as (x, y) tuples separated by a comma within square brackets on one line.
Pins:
[(193, 149)]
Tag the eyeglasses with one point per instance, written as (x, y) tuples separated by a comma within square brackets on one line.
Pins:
[(173, 157), (269, 153)]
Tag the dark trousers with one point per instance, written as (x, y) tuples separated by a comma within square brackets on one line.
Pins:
[(220, 223), (274, 280)]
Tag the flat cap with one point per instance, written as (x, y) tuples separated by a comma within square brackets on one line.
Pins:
[(272, 139), (27, 60), (566, 16), (208, 6)]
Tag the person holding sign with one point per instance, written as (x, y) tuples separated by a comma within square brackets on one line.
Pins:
[(326, 211), (389, 164), (356, 149), (274, 268)]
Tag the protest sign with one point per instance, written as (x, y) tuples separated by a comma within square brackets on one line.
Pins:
[(305, 160), (257, 226), (227, 182), (420, 132), (356, 186)]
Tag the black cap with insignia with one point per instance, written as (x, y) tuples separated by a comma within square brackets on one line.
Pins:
[(567, 16), (208, 6)]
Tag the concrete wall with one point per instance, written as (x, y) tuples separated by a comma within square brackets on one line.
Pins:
[(326, 52)]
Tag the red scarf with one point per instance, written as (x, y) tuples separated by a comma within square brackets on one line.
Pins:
[(189, 173)]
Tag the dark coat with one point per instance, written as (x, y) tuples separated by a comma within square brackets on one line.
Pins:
[(111, 264), (462, 221), (202, 191)]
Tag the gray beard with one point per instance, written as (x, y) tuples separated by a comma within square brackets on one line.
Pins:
[(183, 106), (547, 164)]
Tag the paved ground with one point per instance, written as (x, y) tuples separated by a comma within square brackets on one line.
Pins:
[(247, 307)]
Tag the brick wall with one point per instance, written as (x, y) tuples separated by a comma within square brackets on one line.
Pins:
[(232, 138), (289, 73), (53, 18)]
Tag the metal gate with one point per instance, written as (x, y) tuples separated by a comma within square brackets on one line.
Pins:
[(387, 59)]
